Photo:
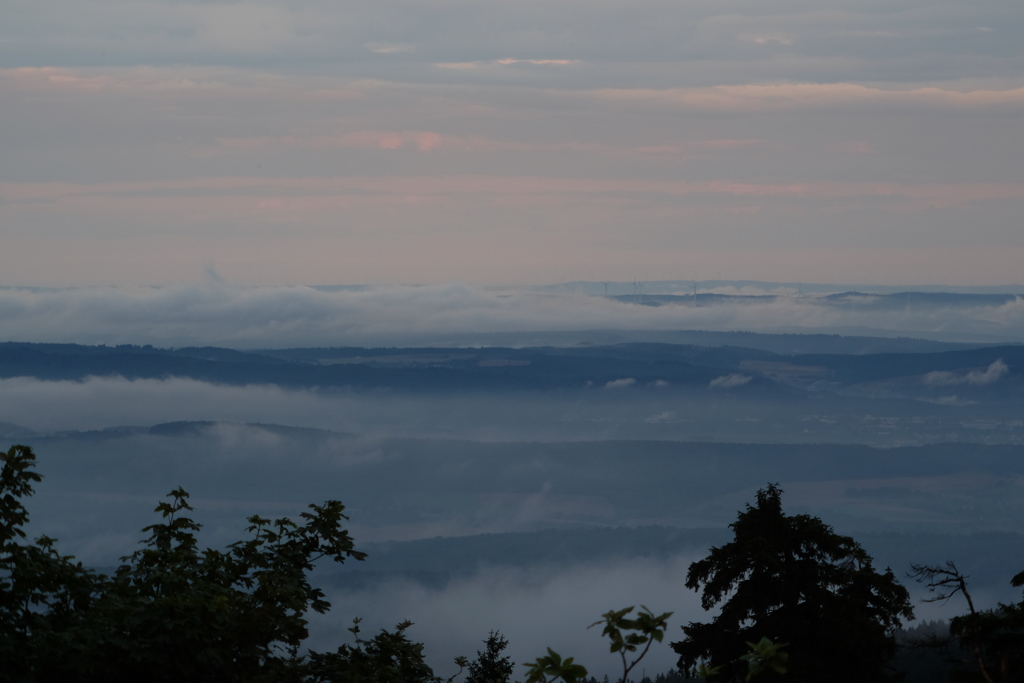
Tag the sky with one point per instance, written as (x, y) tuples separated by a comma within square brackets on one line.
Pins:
[(500, 142)]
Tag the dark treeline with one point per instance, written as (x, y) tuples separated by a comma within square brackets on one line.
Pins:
[(798, 602)]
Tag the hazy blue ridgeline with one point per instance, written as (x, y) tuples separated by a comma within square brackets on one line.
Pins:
[(435, 369)]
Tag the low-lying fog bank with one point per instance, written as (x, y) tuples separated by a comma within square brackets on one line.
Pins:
[(459, 315), (734, 410)]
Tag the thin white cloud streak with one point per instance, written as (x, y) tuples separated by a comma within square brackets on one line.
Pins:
[(729, 381), (100, 402), (46, 406), (246, 317), (991, 374)]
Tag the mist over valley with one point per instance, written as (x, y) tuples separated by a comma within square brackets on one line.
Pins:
[(490, 482)]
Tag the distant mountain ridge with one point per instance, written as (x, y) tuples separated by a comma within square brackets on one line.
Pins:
[(869, 301), (493, 368), (628, 288)]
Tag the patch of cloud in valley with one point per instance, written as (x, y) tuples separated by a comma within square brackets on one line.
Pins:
[(535, 608), (729, 381), (991, 374)]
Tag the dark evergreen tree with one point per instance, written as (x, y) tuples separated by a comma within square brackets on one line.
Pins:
[(793, 580), (490, 666)]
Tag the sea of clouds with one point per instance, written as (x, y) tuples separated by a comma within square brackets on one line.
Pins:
[(216, 313)]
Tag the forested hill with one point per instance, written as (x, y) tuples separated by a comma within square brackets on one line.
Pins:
[(986, 371)]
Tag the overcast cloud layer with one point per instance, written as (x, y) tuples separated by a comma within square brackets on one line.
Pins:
[(511, 142)]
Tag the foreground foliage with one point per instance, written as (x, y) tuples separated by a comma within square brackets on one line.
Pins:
[(792, 580), (993, 639), (174, 612), (798, 603), (631, 638)]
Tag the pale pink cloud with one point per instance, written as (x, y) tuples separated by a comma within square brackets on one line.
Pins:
[(424, 141), (427, 141), (739, 144), (227, 82), (34, 78), (458, 65), (507, 61), (661, 149), (852, 147), (765, 40), (137, 79), (225, 192), (752, 98), (390, 48), (420, 140), (149, 82), (713, 145), (555, 62)]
